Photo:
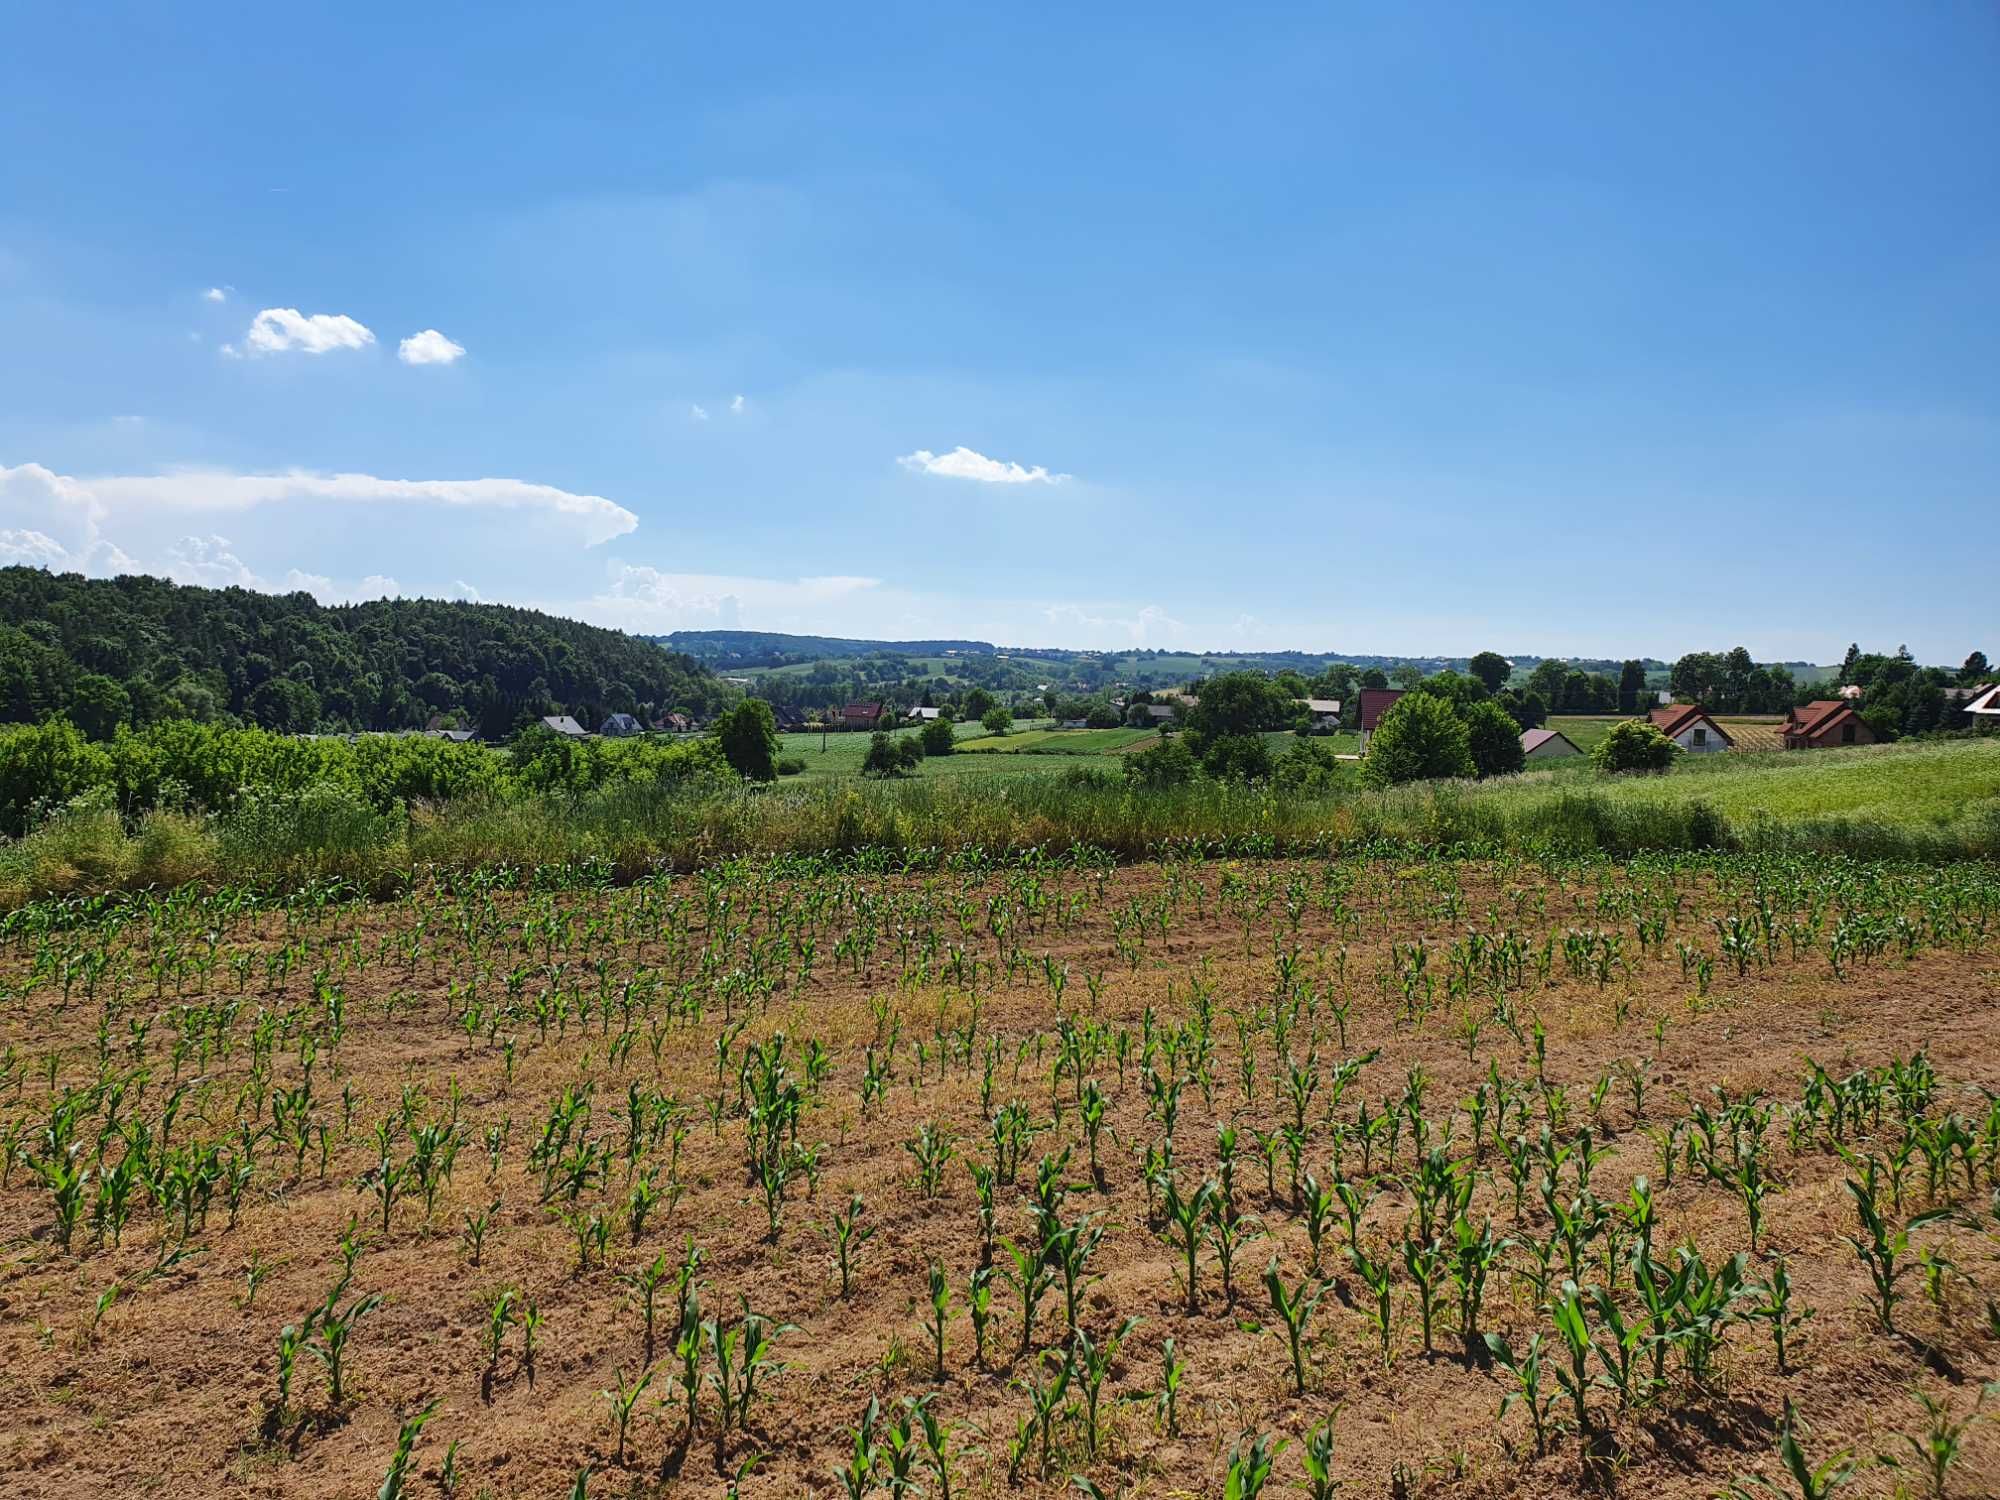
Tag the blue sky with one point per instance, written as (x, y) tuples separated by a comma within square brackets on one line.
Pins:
[(1430, 328)]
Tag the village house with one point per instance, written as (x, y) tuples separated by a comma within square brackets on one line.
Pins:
[(1547, 744), (860, 715), (1689, 726), (1981, 702), (620, 726), (922, 715), (1323, 712), (1828, 721), (565, 726), (1376, 702)]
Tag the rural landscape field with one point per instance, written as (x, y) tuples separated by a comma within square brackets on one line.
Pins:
[(1082, 753), (1404, 1173)]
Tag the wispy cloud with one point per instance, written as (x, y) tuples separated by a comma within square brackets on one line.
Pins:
[(215, 294), (963, 463), (697, 413), (1149, 624), (429, 348), (648, 599), (278, 329), (736, 406)]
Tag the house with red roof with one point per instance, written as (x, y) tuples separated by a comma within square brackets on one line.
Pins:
[(1376, 702), (1823, 723), (860, 715), (1689, 726)]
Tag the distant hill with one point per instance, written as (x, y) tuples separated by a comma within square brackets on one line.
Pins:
[(727, 650), (137, 649)]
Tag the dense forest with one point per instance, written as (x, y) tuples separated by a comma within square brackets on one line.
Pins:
[(137, 650)]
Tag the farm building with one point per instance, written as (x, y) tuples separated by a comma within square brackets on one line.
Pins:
[(620, 726), (1689, 726), (922, 715), (1324, 712), (860, 715), (1375, 702), (1547, 744), (1983, 703), (1829, 721), (565, 726)]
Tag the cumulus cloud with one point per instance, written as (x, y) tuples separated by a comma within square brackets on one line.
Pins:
[(596, 518), (215, 294), (210, 562), (57, 522), (1149, 624), (277, 329), (429, 348), (963, 463), (642, 598)]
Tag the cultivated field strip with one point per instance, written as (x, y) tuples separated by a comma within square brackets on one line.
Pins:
[(1396, 1175)]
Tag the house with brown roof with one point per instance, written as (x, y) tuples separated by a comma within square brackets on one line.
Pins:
[(1547, 744), (860, 715), (1376, 702), (1689, 726), (1823, 723), (1982, 702)]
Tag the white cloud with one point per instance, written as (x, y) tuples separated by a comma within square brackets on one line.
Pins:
[(736, 406), (277, 329), (650, 600), (429, 348), (210, 562), (462, 590), (697, 413), (215, 294), (1149, 625), (59, 523), (963, 463), (598, 519)]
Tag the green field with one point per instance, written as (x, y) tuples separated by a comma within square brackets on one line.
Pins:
[(1000, 754), (1062, 741)]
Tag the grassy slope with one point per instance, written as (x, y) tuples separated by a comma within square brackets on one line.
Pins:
[(1907, 785)]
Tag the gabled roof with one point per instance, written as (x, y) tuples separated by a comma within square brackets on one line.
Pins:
[(619, 724), (1815, 717), (862, 710), (563, 724), (1533, 740), (1376, 702), (1676, 718), (1321, 705), (1988, 701)]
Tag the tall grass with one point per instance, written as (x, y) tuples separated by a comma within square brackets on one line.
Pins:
[(1799, 803)]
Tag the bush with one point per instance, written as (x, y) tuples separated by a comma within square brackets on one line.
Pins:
[(1237, 757), (1307, 768), (748, 735), (1635, 745), (1421, 738), (997, 720), (1169, 763), (938, 737), (1494, 740), (791, 765), (889, 755)]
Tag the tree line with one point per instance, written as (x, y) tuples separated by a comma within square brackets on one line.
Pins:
[(138, 651)]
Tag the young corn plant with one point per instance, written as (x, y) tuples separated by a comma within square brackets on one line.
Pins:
[(1809, 1483), (1379, 1278), (849, 1235), (1092, 1362), (1881, 1249), (1526, 1369), (335, 1328), (1250, 1464), (1318, 1460), (621, 1401), (857, 1475), (940, 1290), (1294, 1309), (1188, 1217), (406, 1446), (1937, 1450)]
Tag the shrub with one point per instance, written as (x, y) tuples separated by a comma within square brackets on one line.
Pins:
[(889, 755), (997, 720), (1495, 742), (748, 735), (1169, 763), (938, 736), (791, 765), (1635, 745), (1237, 757), (1308, 767), (1421, 738)]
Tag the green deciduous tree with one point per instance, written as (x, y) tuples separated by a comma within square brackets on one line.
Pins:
[(1421, 738), (1494, 740), (1635, 745), (1491, 668), (748, 734)]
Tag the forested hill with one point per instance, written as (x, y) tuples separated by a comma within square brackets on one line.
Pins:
[(136, 649), (728, 649)]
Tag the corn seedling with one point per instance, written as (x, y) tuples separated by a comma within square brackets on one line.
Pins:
[(406, 1443)]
